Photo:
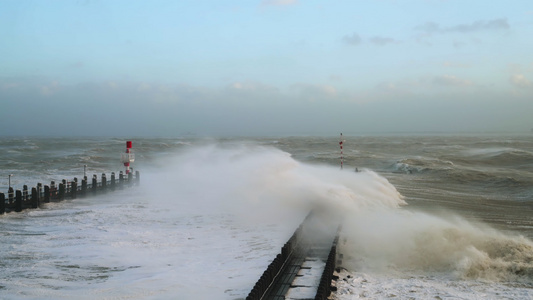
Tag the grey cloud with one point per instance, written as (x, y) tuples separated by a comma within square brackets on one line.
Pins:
[(352, 40), (382, 41), (429, 27), (244, 108), (355, 40), (137, 108), (496, 24)]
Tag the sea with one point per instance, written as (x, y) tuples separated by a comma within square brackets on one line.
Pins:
[(425, 216)]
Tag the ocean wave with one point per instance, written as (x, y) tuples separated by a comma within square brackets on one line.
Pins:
[(421, 165), (419, 242), (499, 156), (483, 176)]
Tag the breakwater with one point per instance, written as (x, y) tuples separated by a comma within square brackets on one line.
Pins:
[(304, 267), (18, 200)]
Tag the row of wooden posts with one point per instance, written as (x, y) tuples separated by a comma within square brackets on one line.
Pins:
[(19, 200)]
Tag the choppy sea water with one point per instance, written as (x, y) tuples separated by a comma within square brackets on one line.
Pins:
[(444, 217)]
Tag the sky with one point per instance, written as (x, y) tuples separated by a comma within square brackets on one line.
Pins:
[(265, 67)]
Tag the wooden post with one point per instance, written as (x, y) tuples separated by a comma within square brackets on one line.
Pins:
[(24, 193), (53, 190), (113, 181), (61, 193), (68, 188), (11, 195), (104, 182), (74, 186), (64, 181), (2, 204), (84, 187), (120, 179), (18, 201), (34, 198), (40, 190), (74, 189), (46, 194), (137, 177), (95, 183)]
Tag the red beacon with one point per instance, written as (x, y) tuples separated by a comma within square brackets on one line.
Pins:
[(128, 157)]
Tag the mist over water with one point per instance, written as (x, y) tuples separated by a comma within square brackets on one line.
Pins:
[(231, 177), (258, 182)]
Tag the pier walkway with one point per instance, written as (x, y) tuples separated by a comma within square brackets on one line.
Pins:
[(304, 268)]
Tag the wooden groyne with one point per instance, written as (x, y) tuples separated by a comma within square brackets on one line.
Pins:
[(290, 274), (18, 200)]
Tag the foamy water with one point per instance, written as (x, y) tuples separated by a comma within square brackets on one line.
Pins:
[(398, 253), (209, 217)]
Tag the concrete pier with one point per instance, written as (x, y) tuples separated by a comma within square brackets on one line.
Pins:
[(304, 268)]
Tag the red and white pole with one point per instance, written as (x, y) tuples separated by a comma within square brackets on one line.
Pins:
[(342, 157), (128, 160)]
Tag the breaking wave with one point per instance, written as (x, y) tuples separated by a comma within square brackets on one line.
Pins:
[(414, 241), (255, 176), (262, 180), (422, 165), (495, 178), (506, 156)]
